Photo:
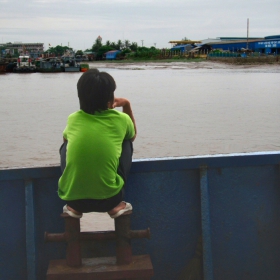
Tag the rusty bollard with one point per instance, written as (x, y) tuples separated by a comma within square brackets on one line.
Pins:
[(72, 234), (123, 239), (73, 237)]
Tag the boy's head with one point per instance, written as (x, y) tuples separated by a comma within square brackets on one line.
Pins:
[(95, 90)]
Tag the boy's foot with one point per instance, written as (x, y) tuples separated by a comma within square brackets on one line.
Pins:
[(120, 209), (71, 212)]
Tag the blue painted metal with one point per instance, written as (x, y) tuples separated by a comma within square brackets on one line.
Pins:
[(268, 45), (206, 225), (232, 46), (235, 205), (263, 45), (273, 37), (245, 222), (111, 55), (12, 230), (182, 48), (30, 230)]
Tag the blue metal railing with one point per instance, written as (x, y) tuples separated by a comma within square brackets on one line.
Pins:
[(233, 201)]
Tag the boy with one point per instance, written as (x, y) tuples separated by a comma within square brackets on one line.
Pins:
[(97, 152)]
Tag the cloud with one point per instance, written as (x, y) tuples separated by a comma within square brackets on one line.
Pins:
[(80, 22)]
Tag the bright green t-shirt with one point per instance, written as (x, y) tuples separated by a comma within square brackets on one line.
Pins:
[(93, 151)]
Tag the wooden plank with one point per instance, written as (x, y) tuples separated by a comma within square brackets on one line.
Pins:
[(101, 268)]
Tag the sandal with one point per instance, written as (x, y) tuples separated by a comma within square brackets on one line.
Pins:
[(70, 213), (128, 207)]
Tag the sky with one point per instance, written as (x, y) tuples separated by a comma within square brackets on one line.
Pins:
[(147, 22)]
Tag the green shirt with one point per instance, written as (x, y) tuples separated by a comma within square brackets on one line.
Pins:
[(93, 151)]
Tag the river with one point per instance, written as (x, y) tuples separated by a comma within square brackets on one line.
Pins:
[(181, 109)]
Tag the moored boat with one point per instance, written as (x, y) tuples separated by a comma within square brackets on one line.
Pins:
[(24, 65), (2, 68), (3, 65), (84, 67), (69, 64), (10, 66), (49, 65)]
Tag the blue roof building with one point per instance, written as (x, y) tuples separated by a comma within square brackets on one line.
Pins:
[(267, 45), (182, 48), (111, 55)]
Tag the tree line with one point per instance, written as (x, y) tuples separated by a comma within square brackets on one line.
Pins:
[(127, 49)]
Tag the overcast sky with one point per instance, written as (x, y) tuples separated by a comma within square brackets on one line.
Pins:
[(79, 23)]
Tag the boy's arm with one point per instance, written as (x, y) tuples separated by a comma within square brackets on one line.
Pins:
[(125, 104)]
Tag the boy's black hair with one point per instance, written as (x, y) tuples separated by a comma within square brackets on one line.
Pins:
[(95, 90)]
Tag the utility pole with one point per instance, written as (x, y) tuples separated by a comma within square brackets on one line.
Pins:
[(247, 34)]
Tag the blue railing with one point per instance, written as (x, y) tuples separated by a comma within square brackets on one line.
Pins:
[(231, 201)]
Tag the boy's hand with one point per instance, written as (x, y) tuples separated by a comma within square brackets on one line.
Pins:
[(125, 104), (120, 102)]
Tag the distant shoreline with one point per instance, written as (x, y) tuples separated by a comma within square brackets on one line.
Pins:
[(180, 64)]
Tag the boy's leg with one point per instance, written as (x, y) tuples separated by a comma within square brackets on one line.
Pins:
[(123, 170), (62, 152), (125, 159)]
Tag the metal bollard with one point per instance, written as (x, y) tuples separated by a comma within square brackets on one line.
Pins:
[(123, 266), (73, 237), (123, 239), (72, 234)]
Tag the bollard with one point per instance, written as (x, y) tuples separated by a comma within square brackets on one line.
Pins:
[(123, 239), (123, 266), (72, 233)]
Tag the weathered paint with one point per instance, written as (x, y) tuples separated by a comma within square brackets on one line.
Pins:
[(239, 199), (206, 225), (30, 230)]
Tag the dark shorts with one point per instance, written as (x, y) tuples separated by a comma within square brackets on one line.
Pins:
[(96, 205), (102, 205)]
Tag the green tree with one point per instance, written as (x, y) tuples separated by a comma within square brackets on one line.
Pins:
[(125, 53), (102, 50), (58, 50), (126, 44), (133, 46), (114, 45), (2, 48), (79, 52), (119, 45), (97, 44), (145, 53)]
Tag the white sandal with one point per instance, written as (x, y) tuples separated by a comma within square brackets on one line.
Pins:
[(128, 207), (70, 213)]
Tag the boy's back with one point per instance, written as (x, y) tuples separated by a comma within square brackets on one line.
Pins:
[(93, 152)]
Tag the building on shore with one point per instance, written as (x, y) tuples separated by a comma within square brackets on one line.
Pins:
[(265, 45), (32, 49), (112, 55), (269, 45)]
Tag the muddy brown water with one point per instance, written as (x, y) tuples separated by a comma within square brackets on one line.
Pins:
[(181, 109)]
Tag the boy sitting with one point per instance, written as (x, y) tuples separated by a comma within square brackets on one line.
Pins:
[(97, 152)]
